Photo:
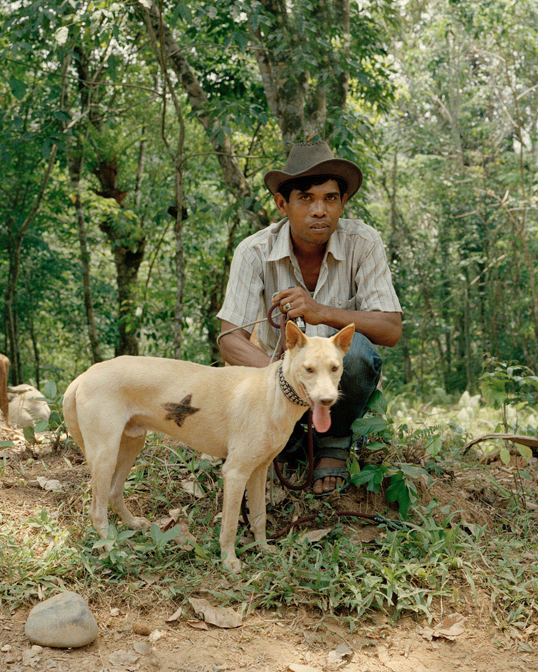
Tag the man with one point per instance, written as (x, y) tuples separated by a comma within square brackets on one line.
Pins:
[(329, 272)]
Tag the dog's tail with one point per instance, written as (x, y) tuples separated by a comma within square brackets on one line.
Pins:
[(70, 413)]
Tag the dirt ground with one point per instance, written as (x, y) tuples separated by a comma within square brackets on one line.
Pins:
[(293, 639)]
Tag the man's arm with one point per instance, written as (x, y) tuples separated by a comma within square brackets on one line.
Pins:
[(380, 327), (237, 349)]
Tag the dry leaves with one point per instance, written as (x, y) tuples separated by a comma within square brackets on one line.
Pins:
[(192, 486), (315, 535), (49, 484), (297, 667), (340, 656), (198, 625), (449, 628), (222, 617)]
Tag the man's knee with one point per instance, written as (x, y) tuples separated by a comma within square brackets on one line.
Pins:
[(362, 361)]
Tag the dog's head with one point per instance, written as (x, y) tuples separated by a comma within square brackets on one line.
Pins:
[(314, 366)]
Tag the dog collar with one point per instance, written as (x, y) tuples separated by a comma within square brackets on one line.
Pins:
[(288, 390)]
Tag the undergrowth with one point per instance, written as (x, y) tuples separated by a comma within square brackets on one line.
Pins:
[(436, 556)]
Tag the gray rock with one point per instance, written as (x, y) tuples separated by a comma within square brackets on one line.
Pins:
[(62, 621)]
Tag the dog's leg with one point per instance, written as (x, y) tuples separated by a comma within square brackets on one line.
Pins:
[(235, 479), (130, 448), (256, 505)]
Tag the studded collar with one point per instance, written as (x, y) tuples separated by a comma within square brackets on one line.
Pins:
[(288, 390)]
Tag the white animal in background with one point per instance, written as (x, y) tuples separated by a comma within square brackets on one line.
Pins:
[(26, 405)]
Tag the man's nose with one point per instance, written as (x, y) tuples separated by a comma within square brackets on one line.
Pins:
[(318, 208)]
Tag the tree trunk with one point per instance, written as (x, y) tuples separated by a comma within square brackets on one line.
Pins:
[(75, 163)]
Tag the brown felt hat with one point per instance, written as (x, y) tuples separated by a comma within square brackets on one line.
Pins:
[(314, 158)]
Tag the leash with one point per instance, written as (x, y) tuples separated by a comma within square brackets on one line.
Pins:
[(374, 517)]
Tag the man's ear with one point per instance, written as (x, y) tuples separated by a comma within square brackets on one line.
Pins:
[(343, 338), (294, 336), (280, 203)]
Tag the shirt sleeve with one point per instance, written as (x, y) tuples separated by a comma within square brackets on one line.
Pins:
[(243, 298), (374, 282)]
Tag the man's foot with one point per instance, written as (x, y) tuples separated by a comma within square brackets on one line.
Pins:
[(329, 483)]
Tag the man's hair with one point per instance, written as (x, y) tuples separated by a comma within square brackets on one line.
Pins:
[(304, 184)]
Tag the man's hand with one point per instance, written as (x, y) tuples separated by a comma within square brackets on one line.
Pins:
[(382, 328), (297, 302)]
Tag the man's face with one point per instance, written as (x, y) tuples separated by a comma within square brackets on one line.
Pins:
[(313, 214)]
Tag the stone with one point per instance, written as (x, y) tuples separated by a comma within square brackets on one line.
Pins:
[(62, 621)]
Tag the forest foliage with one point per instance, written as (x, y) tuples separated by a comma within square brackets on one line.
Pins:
[(134, 138)]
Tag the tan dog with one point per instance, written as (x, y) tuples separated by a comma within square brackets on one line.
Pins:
[(238, 413)]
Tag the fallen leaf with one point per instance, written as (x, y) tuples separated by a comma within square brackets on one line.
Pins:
[(175, 616), (49, 484), (341, 654), (297, 667), (529, 556), (315, 535), (6, 648), (123, 657), (144, 648), (449, 628), (279, 495), (198, 625), (192, 487), (222, 617), (531, 506), (115, 612), (149, 578)]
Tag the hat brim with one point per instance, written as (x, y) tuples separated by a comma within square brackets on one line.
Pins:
[(347, 170)]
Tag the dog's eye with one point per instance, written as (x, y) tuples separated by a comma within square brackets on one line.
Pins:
[(309, 369), (335, 368)]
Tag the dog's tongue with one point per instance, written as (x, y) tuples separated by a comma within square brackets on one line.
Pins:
[(321, 417)]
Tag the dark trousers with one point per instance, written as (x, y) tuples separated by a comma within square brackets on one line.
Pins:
[(362, 370)]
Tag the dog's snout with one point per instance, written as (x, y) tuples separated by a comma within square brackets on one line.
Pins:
[(327, 401)]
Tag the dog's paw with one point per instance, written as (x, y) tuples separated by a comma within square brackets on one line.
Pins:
[(139, 524), (233, 565)]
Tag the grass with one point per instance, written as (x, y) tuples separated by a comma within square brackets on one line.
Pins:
[(440, 556)]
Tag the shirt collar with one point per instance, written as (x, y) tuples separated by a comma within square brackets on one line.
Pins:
[(283, 247)]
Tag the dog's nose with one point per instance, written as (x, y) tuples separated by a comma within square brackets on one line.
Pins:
[(327, 401)]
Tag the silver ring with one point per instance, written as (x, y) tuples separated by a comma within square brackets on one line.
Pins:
[(287, 306)]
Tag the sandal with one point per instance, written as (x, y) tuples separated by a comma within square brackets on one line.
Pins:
[(339, 472)]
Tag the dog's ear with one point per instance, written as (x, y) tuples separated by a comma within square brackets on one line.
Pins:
[(343, 338), (294, 336)]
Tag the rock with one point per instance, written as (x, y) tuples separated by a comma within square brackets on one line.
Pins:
[(142, 628), (62, 621)]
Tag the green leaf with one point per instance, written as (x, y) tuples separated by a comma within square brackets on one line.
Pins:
[(18, 88), (505, 455), (365, 426), (402, 491), (41, 426), (29, 433), (155, 534), (372, 476), (6, 444), (377, 402), (525, 452), (50, 390)]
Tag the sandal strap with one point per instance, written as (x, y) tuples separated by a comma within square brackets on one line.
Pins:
[(323, 472)]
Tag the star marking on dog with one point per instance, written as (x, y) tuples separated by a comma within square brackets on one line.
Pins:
[(179, 412)]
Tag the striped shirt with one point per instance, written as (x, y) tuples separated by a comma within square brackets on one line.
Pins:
[(354, 275)]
